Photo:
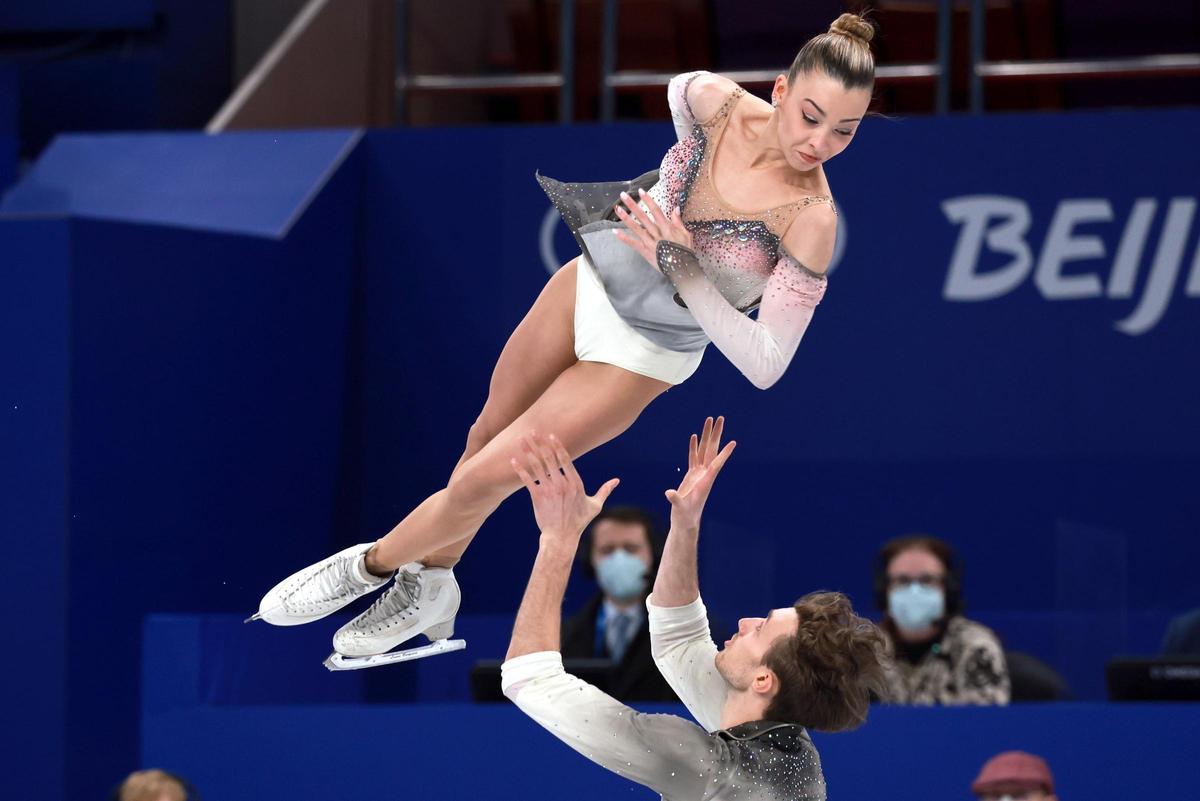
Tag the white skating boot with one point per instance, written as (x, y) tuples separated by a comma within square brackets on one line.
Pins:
[(319, 590), (422, 600)]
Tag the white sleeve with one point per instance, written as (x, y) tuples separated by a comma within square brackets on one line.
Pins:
[(684, 651), (677, 99), (761, 349), (663, 752)]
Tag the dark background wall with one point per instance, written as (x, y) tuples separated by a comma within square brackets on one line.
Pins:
[(122, 65)]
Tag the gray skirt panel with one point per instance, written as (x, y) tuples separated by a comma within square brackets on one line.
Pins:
[(641, 295)]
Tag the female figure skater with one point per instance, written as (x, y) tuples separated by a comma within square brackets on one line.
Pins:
[(739, 217)]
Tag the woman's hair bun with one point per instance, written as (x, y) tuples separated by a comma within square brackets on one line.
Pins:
[(854, 26)]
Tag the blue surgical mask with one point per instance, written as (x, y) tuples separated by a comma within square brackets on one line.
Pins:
[(915, 607), (622, 575)]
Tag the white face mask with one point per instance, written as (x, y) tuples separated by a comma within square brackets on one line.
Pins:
[(622, 575), (916, 607)]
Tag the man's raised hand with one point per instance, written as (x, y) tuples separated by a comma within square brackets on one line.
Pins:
[(706, 457), (561, 506)]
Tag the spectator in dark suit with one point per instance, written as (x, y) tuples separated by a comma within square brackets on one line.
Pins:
[(621, 551), (1183, 635)]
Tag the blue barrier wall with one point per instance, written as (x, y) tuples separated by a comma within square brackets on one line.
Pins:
[(1002, 359), (34, 411), (308, 750), (191, 383)]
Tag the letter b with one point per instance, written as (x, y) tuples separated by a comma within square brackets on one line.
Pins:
[(964, 281)]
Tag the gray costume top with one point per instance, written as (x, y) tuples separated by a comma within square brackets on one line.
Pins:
[(757, 761)]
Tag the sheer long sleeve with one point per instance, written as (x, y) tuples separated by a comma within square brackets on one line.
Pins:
[(761, 349), (677, 99), (663, 752), (685, 654)]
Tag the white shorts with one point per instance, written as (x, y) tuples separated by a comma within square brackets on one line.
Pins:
[(602, 336)]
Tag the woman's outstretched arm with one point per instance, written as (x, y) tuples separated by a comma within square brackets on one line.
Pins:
[(761, 349)]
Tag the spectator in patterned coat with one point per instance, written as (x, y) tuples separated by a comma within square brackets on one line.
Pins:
[(941, 656)]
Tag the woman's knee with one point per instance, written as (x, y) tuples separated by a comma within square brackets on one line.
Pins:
[(480, 434), (478, 488)]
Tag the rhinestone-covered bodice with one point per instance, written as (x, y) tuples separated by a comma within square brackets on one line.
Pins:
[(739, 253), (737, 249)]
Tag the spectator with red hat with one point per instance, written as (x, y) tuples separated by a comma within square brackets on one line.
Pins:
[(1014, 776)]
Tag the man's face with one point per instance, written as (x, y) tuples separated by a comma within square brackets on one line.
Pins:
[(609, 536), (742, 654), (1016, 792)]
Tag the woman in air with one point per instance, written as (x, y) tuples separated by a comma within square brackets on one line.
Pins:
[(738, 218)]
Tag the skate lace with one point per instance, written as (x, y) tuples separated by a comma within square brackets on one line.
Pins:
[(399, 598), (330, 583)]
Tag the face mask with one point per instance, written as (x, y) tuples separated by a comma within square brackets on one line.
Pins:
[(622, 575), (915, 607)]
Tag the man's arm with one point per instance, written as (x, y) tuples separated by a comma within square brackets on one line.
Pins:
[(562, 510), (662, 752), (538, 620), (680, 641), (677, 583)]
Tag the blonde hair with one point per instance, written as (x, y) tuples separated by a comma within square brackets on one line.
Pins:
[(151, 785), (843, 53)]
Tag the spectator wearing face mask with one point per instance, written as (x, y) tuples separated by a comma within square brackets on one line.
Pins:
[(621, 551), (941, 656), (1014, 776)]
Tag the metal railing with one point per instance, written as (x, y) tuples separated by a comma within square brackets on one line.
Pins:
[(1057, 70), (542, 82), (611, 79)]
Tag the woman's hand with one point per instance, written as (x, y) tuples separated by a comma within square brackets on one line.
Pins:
[(643, 230), (561, 506), (706, 457)]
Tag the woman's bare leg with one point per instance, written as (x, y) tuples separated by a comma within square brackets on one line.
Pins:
[(589, 404), (540, 348)]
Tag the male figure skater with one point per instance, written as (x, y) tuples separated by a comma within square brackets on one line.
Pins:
[(811, 665)]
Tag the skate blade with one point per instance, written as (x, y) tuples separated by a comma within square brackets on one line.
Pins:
[(259, 614), (337, 661)]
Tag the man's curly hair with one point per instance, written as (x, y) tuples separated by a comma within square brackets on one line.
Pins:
[(829, 669)]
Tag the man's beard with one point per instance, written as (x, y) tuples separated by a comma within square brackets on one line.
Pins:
[(729, 675)]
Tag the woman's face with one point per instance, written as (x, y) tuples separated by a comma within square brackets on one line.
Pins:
[(818, 116)]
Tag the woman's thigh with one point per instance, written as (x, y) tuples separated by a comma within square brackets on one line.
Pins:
[(588, 404), (540, 348)]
